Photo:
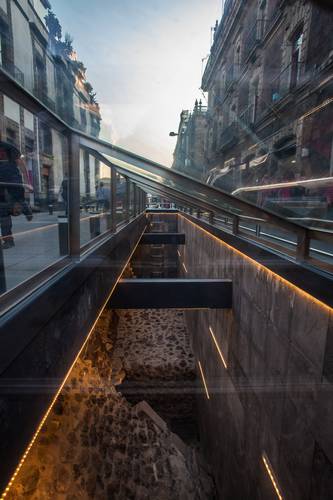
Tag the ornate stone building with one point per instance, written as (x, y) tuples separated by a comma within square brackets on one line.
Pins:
[(189, 157), (34, 53), (269, 83)]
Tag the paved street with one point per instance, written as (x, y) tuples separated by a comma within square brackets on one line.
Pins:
[(37, 245)]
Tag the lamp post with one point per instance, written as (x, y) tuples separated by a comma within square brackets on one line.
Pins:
[(173, 134)]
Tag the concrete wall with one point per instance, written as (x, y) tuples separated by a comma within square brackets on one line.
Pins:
[(275, 396)]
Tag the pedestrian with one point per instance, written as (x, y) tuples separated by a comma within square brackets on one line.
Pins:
[(63, 193), (12, 193), (102, 197)]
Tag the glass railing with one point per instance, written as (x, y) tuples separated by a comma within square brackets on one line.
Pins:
[(37, 200), (276, 191)]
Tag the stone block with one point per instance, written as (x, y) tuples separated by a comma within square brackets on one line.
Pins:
[(144, 408)]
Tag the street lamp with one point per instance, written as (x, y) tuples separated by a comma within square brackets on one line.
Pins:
[(173, 134)]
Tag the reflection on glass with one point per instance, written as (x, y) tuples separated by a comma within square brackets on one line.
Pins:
[(36, 53), (33, 194), (95, 197), (131, 199), (121, 203)]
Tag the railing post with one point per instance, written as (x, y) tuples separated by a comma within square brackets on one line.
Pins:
[(113, 199), (74, 195), (303, 246), (258, 230), (127, 203), (235, 225), (135, 200)]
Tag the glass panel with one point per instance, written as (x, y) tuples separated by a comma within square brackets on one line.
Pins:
[(95, 197), (33, 194), (121, 204), (36, 53), (131, 199)]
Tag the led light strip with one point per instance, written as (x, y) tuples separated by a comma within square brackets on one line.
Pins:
[(271, 476), (185, 268), (218, 348), (306, 295), (40, 426), (203, 380)]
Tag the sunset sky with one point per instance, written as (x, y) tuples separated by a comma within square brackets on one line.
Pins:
[(144, 60)]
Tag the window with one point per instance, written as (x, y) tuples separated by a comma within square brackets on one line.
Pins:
[(296, 58), (11, 136), (254, 99)]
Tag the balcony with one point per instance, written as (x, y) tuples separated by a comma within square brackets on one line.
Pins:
[(290, 78), (16, 73), (232, 75), (253, 38), (246, 117)]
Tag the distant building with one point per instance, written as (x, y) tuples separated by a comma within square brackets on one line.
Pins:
[(34, 53), (189, 157), (269, 82)]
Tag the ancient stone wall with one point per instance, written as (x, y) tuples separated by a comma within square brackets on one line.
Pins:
[(95, 444)]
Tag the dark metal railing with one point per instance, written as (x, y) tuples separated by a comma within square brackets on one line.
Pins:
[(152, 177)]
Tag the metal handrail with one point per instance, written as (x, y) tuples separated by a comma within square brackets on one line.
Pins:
[(134, 166)]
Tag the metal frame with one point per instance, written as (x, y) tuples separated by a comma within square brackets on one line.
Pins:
[(302, 275), (198, 196)]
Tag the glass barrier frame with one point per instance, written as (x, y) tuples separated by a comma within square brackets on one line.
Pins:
[(147, 176), (16, 92)]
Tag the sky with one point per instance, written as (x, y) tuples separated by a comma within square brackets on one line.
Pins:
[(144, 60)]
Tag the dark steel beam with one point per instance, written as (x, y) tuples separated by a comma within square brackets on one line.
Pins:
[(172, 294), (163, 239)]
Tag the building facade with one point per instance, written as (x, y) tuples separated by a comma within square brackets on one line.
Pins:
[(269, 81), (34, 53), (189, 155)]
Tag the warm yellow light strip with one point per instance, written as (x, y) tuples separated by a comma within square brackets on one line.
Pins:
[(203, 380), (317, 108), (185, 268), (271, 476), (306, 295), (218, 348), (40, 426)]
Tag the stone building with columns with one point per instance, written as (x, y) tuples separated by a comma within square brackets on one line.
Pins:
[(189, 154), (269, 81)]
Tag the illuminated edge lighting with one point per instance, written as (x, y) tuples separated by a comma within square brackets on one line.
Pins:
[(179, 254), (203, 380), (261, 266), (185, 267), (218, 348), (40, 426), (271, 475), (279, 185), (317, 108)]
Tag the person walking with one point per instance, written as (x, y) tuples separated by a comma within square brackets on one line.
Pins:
[(102, 197), (12, 193)]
